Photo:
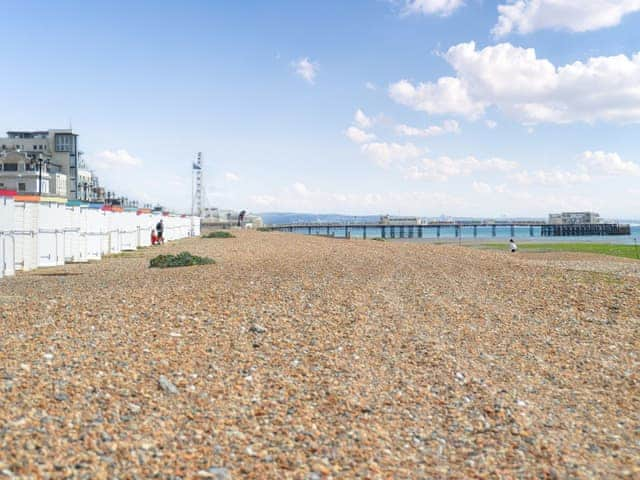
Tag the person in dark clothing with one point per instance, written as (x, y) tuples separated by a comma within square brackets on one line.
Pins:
[(241, 217), (160, 231)]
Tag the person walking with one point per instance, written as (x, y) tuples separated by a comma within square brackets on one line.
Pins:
[(512, 246), (160, 231)]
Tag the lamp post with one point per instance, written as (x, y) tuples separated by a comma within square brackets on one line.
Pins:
[(41, 161)]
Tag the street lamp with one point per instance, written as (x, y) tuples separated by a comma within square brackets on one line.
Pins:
[(41, 161)]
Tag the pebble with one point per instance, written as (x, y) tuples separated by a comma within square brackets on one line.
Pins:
[(166, 385), (365, 360)]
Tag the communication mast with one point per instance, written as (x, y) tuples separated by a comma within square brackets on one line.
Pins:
[(197, 188)]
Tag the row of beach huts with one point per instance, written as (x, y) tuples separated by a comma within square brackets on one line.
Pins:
[(45, 231)]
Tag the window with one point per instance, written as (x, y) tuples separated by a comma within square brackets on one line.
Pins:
[(22, 187), (10, 167), (64, 143)]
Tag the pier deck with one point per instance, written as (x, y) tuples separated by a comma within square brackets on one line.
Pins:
[(415, 230)]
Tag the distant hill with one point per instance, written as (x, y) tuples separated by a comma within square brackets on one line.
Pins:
[(275, 218)]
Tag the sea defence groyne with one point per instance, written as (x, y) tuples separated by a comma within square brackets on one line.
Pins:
[(45, 231)]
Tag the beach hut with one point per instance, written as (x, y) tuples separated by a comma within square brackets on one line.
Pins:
[(72, 220), (145, 226), (26, 214), (195, 226), (7, 228), (51, 224), (94, 231), (128, 227)]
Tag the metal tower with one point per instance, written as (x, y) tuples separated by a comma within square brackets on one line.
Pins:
[(197, 188)]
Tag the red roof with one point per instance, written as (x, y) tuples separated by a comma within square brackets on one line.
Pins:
[(8, 193)]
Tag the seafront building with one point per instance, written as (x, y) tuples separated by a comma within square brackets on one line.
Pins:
[(54, 150)]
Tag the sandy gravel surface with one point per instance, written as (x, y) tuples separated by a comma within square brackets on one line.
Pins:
[(587, 262), (310, 358)]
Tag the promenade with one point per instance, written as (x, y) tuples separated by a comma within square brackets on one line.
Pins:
[(302, 357)]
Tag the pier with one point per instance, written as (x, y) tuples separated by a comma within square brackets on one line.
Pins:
[(458, 229)]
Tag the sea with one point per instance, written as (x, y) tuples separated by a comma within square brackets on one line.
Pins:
[(483, 234)]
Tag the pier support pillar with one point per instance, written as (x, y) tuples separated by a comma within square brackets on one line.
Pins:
[(384, 232), (475, 231), (309, 230), (420, 231), (327, 231), (402, 232), (393, 232), (531, 230), (493, 230), (457, 231), (513, 231), (364, 232), (438, 231)]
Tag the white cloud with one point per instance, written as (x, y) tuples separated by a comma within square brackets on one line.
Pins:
[(442, 168), (448, 126), (526, 16), (482, 187), (491, 124), (306, 69), (384, 154), (432, 7), (608, 164), (359, 136), (231, 177), (370, 86), (292, 198), (115, 159), (529, 88), (300, 188), (551, 177), (447, 96), (263, 200), (362, 120)]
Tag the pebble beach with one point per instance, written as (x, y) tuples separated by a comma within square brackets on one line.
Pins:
[(314, 358)]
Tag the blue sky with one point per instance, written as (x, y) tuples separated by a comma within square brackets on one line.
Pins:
[(539, 114)]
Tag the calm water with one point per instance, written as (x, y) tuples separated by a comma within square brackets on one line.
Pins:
[(484, 234)]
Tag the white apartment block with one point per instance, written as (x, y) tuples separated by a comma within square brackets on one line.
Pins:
[(58, 147)]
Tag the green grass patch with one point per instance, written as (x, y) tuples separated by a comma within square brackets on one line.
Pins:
[(378, 239), (628, 251), (184, 259), (219, 234), (263, 229)]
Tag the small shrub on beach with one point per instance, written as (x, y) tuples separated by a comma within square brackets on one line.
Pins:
[(218, 234), (184, 259), (378, 239)]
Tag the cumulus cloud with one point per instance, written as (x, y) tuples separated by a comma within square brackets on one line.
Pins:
[(526, 16), (432, 7), (491, 124), (442, 168), (528, 88), (306, 69), (293, 198), (551, 177), (383, 153), (448, 126), (608, 164), (370, 86), (446, 96), (231, 177), (362, 120), (481, 187), (357, 135), (116, 159)]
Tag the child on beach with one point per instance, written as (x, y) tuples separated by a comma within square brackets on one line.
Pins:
[(154, 238), (512, 246)]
